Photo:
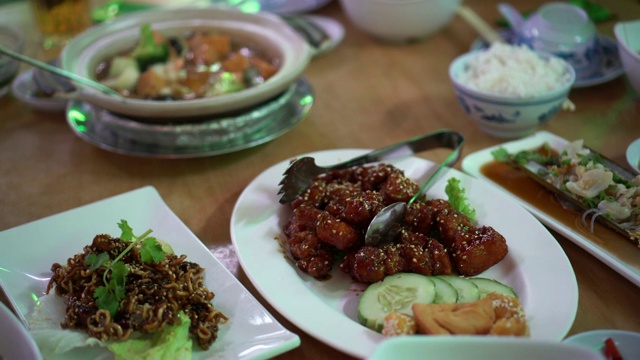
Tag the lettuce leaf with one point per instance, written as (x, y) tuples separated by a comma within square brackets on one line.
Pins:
[(52, 340), (458, 199), (55, 342), (173, 343)]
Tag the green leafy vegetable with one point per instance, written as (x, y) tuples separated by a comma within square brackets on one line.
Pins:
[(151, 251), (109, 295), (127, 231), (541, 155), (148, 52), (172, 343), (96, 261), (458, 199)]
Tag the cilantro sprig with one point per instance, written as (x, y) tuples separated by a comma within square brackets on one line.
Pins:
[(109, 295)]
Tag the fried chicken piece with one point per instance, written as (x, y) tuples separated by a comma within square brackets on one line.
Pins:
[(398, 188), (338, 233), (413, 253), (304, 218), (424, 255), (478, 249), (354, 206), (473, 249), (420, 218), (315, 195), (310, 254)]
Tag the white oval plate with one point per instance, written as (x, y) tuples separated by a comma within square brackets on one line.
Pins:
[(536, 266)]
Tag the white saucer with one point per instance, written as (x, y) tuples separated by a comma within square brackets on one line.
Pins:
[(24, 89), (627, 342), (611, 65), (332, 27), (290, 7), (633, 156)]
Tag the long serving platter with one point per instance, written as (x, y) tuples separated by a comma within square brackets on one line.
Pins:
[(616, 251), (532, 169)]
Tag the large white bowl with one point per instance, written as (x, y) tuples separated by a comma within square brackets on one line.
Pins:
[(505, 116), (263, 31), (628, 36), (425, 347), (400, 20)]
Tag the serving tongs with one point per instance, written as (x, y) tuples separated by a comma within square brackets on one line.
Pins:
[(532, 169), (301, 173)]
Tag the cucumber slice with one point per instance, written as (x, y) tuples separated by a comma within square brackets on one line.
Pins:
[(486, 286), (395, 293), (445, 292), (467, 289)]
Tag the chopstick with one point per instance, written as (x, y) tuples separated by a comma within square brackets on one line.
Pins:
[(479, 25)]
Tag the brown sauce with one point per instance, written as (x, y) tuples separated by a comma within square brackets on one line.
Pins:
[(519, 184)]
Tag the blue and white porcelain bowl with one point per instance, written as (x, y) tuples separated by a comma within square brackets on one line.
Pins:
[(507, 116)]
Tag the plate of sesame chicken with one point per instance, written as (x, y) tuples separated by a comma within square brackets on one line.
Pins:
[(317, 282)]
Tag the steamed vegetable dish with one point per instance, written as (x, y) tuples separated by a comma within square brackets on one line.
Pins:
[(200, 64)]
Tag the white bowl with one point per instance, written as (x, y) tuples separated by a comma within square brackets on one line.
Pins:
[(628, 36), (425, 347), (15, 342), (25, 90), (627, 342), (507, 116), (633, 156), (400, 20), (263, 31)]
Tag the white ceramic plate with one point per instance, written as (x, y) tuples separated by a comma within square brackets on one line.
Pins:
[(536, 267), (251, 332), (24, 89), (332, 27), (623, 257), (500, 348), (627, 342), (633, 155), (15, 342)]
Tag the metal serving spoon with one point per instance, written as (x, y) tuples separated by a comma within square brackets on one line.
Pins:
[(386, 224), (61, 72)]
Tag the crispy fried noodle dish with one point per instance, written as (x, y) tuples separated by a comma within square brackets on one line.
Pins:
[(116, 287)]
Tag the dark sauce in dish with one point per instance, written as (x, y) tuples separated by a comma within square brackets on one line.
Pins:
[(525, 188)]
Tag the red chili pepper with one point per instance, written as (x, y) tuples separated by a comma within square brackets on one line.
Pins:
[(611, 351)]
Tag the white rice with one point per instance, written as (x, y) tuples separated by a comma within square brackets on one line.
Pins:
[(514, 71)]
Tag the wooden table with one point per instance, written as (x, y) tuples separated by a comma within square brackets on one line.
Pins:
[(368, 94)]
